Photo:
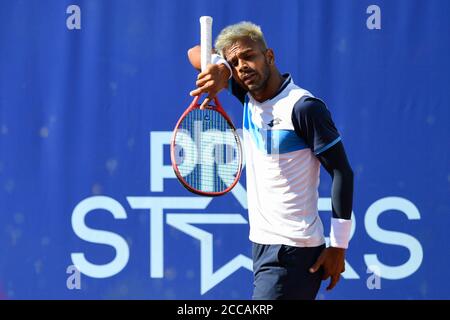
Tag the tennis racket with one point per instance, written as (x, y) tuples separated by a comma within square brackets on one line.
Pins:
[(205, 150)]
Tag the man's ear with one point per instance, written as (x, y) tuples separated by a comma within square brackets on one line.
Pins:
[(270, 56)]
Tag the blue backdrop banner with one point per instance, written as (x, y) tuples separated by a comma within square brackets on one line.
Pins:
[(90, 91)]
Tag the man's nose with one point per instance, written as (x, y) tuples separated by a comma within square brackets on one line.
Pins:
[(242, 66)]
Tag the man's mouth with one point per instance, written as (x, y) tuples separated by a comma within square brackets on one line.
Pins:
[(248, 77)]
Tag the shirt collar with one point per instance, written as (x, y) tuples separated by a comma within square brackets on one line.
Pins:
[(287, 80)]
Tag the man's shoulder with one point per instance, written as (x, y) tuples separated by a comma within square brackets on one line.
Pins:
[(291, 94), (309, 105)]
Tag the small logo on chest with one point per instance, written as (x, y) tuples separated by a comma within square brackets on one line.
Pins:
[(274, 122)]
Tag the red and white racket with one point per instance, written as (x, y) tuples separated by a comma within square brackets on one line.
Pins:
[(205, 150)]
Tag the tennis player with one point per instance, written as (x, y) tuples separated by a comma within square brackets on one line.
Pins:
[(288, 133)]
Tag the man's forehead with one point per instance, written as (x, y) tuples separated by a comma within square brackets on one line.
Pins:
[(241, 45)]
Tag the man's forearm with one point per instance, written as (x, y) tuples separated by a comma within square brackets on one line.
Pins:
[(342, 193), (335, 162), (341, 199)]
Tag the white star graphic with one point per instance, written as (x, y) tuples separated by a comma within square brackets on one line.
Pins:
[(209, 278)]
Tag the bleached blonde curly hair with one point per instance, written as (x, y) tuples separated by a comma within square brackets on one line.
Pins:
[(233, 33)]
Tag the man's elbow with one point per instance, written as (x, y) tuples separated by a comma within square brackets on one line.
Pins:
[(194, 50), (194, 57), (345, 173), (348, 174)]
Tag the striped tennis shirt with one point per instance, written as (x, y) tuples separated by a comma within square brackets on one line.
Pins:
[(282, 137)]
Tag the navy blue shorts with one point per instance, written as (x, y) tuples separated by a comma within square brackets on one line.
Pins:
[(281, 272)]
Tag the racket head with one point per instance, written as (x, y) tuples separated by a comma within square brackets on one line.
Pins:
[(206, 151)]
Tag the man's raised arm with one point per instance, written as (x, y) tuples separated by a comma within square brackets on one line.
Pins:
[(211, 80)]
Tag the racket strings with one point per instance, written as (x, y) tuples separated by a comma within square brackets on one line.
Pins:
[(207, 151)]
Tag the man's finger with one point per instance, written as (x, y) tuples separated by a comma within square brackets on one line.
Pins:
[(200, 90), (333, 282), (201, 82), (205, 73), (205, 102), (196, 92), (203, 89), (201, 75), (316, 265)]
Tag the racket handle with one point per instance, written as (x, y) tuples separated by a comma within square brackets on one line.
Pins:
[(205, 40)]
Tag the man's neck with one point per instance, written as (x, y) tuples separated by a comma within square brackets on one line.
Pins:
[(273, 86)]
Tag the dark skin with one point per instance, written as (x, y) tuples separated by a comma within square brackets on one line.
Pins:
[(254, 69)]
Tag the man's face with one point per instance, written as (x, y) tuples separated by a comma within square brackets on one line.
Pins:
[(251, 68)]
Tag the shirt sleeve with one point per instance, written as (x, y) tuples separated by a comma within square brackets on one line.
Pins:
[(313, 123)]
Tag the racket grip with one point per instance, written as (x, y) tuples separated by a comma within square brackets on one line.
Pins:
[(205, 40)]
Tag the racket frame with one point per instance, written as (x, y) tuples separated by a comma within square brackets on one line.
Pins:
[(218, 108)]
